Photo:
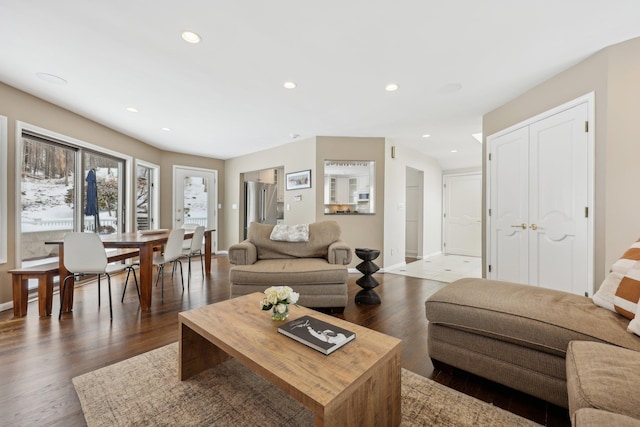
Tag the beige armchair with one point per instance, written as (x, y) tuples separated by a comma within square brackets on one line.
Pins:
[(316, 269)]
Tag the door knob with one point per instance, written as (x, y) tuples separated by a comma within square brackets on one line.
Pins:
[(533, 227), (523, 226)]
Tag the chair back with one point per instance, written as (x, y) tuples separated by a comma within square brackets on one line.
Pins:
[(84, 253), (196, 240), (186, 243), (173, 248)]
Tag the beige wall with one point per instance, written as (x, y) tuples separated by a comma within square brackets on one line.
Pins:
[(296, 156), (613, 75), (357, 231), (621, 199), (19, 106)]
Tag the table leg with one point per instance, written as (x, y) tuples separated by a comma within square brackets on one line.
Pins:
[(208, 237), (146, 276), (196, 353), (20, 295), (45, 294), (375, 402)]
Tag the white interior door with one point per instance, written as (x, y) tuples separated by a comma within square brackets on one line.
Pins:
[(509, 202), (413, 213), (539, 200), (558, 149), (195, 198), (463, 214)]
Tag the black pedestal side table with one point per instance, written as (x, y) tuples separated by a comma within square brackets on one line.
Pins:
[(367, 282)]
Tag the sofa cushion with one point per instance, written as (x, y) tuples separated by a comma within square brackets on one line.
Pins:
[(602, 376), (307, 271), (321, 235), (538, 318)]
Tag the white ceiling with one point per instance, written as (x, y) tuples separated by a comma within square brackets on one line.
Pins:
[(454, 61)]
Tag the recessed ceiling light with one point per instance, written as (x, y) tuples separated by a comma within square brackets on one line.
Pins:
[(477, 136), (290, 85), (454, 151), (166, 129), (50, 78), (132, 109), (426, 135), (294, 135), (391, 87), (190, 37)]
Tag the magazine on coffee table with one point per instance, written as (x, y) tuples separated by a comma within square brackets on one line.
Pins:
[(317, 334)]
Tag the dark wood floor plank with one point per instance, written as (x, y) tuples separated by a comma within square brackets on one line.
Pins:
[(40, 356)]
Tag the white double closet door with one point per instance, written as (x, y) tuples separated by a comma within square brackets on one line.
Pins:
[(539, 203)]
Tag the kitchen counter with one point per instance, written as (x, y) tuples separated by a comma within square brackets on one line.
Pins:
[(348, 213)]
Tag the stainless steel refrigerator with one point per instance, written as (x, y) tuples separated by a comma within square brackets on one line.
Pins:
[(260, 204)]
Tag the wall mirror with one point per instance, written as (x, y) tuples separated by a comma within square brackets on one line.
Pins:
[(349, 187)]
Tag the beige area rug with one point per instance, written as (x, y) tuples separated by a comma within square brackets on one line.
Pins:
[(145, 391)]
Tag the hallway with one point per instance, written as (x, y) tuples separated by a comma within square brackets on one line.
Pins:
[(442, 268)]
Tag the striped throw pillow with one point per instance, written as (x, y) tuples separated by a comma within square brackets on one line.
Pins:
[(606, 293), (634, 325), (628, 259), (627, 295)]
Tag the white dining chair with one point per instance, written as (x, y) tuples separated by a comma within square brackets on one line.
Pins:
[(194, 249), (84, 254), (131, 268), (171, 254)]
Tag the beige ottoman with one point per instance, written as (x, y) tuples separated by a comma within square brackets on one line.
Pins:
[(602, 377)]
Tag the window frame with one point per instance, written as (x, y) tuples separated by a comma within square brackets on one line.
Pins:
[(22, 127), (3, 190)]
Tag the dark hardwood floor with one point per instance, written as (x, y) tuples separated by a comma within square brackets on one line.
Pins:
[(40, 356)]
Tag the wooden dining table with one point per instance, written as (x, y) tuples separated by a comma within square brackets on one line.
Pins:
[(145, 242)]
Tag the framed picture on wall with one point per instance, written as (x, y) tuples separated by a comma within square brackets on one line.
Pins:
[(299, 180)]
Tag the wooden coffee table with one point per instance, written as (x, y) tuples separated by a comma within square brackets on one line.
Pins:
[(358, 384)]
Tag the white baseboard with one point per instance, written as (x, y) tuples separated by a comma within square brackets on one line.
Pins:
[(433, 254), (6, 306), (393, 267)]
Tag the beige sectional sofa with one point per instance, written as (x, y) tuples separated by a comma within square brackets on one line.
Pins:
[(518, 335), (601, 381), (316, 269)]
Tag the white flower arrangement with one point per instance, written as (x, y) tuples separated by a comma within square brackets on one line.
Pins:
[(278, 297)]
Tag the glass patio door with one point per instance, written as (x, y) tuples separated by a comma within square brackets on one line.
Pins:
[(145, 203), (195, 198)]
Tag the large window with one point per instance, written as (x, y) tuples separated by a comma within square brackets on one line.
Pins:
[(108, 173), (66, 187)]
